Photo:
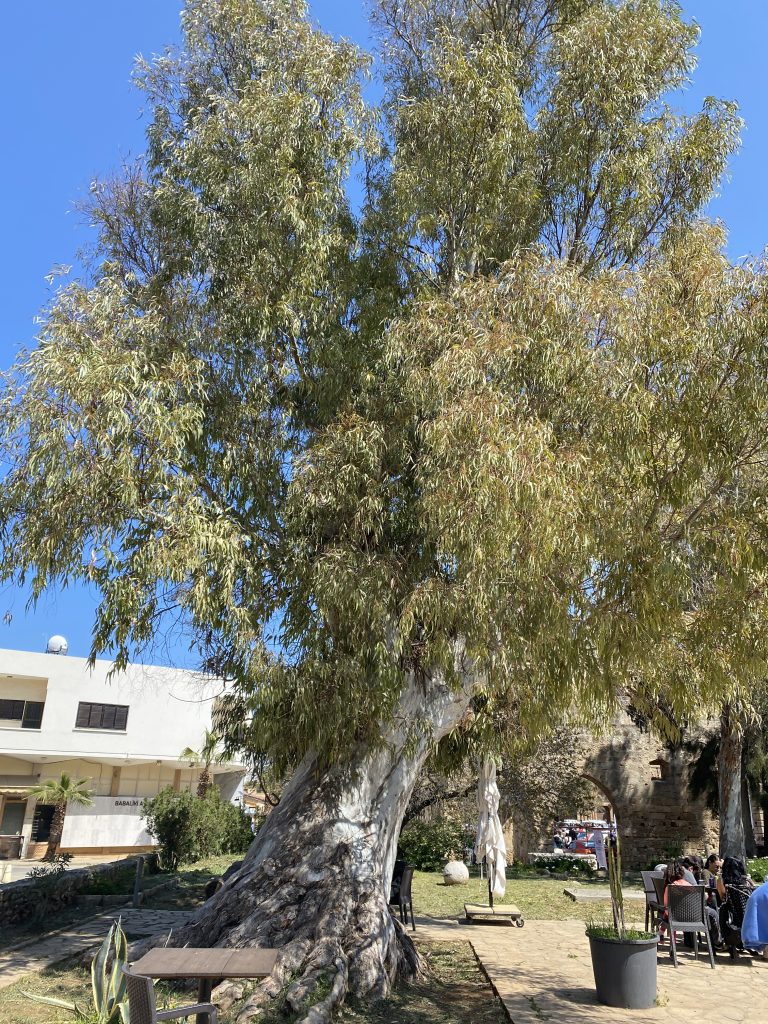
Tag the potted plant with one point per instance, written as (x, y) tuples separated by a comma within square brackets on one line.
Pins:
[(623, 959)]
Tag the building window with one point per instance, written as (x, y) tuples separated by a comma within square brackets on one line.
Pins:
[(101, 716), (25, 713)]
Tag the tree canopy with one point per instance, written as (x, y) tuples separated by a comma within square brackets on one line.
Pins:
[(508, 412)]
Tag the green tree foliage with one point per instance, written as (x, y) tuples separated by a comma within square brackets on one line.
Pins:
[(429, 844), (492, 420), (189, 827), (208, 753)]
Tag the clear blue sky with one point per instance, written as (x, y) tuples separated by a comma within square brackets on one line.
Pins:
[(71, 114)]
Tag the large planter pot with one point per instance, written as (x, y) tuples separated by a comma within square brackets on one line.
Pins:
[(625, 971)]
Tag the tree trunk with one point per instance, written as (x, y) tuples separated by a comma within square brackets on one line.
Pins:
[(729, 786), (748, 817), (57, 828), (315, 882), (204, 780)]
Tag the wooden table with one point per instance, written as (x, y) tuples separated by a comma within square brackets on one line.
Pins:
[(208, 965)]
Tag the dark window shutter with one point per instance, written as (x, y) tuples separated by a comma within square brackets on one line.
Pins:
[(33, 714), (41, 823), (12, 710), (83, 715), (101, 716)]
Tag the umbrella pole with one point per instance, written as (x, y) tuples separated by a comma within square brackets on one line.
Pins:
[(490, 885)]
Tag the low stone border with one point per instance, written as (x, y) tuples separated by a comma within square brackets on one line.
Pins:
[(588, 895), (23, 898)]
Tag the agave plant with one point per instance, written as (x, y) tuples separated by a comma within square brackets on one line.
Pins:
[(110, 1004)]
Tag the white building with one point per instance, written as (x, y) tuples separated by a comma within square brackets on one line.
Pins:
[(125, 735)]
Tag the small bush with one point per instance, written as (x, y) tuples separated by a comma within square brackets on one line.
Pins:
[(429, 844), (52, 872), (758, 869), (189, 828), (115, 885)]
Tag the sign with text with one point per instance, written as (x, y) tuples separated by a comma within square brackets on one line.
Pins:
[(109, 821)]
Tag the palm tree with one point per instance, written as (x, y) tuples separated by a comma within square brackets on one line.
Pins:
[(204, 757), (60, 792)]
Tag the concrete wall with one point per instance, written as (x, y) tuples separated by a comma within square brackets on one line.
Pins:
[(111, 821), (169, 709)]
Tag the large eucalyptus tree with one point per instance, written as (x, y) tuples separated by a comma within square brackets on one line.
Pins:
[(452, 451)]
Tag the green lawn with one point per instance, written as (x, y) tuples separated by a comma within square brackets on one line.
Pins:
[(538, 898)]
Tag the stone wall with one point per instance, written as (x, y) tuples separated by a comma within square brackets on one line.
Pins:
[(646, 783), (28, 898)]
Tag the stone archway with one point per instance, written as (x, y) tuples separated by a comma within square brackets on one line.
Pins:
[(609, 800), (646, 782)]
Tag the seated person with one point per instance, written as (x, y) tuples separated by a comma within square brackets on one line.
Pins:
[(697, 870), (673, 875), (688, 873), (734, 873), (676, 876), (711, 870), (754, 927)]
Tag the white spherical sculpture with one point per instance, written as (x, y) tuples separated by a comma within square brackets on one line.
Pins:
[(455, 872)]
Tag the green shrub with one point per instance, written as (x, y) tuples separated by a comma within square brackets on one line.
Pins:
[(114, 885), (188, 827), (429, 844), (758, 869)]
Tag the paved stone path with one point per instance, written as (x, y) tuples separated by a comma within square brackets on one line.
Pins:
[(36, 956), (544, 972), (585, 894)]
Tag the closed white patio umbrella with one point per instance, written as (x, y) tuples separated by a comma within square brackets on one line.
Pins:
[(489, 843)]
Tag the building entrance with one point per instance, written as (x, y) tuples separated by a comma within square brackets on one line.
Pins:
[(13, 817)]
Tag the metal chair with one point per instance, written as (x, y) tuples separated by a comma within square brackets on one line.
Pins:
[(400, 893), (143, 1008), (687, 913), (654, 907)]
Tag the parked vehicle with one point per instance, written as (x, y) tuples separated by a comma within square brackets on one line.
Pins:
[(583, 843)]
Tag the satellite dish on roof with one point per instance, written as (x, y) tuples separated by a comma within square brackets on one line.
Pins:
[(57, 645)]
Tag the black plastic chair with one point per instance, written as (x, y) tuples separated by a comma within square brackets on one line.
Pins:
[(654, 905), (658, 885), (732, 918), (687, 913), (400, 893)]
